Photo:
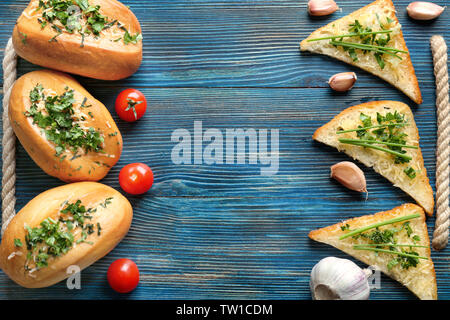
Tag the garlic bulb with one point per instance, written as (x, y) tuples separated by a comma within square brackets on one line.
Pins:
[(338, 279)]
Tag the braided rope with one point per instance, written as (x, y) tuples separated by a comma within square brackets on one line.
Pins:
[(439, 50), (9, 139)]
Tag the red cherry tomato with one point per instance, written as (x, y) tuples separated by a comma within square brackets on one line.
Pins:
[(131, 105), (123, 275), (136, 178)]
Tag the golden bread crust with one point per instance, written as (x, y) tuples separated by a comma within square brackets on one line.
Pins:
[(115, 220), (100, 59), (407, 66), (420, 280), (424, 196), (91, 166)]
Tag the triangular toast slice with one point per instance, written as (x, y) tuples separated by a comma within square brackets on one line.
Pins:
[(378, 16), (410, 176), (421, 278)]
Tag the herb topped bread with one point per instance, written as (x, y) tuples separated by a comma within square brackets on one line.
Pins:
[(371, 39), (65, 130), (99, 39), (383, 135), (74, 224), (395, 242)]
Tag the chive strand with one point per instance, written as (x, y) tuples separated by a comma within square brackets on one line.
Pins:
[(391, 252), (350, 35), (372, 127), (367, 145), (390, 245), (378, 142), (358, 46), (379, 224), (372, 46)]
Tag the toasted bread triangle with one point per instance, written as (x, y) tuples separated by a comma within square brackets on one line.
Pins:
[(419, 187), (399, 73), (421, 279)]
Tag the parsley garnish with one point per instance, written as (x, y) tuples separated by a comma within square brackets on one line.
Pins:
[(127, 38), (49, 233), (18, 243), (63, 12), (24, 37), (379, 224), (59, 123), (53, 238), (410, 172), (387, 132), (384, 241), (107, 201), (368, 41)]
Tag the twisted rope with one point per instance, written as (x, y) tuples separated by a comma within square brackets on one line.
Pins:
[(439, 50), (8, 140)]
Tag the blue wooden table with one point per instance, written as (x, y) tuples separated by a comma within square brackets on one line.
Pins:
[(224, 231)]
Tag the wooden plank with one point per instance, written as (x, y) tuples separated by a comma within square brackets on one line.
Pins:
[(288, 110), (225, 231), (185, 248), (231, 44), (184, 230)]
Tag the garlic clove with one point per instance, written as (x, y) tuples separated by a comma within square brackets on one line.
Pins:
[(349, 175), (338, 279), (421, 10), (343, 81), (321, 7)]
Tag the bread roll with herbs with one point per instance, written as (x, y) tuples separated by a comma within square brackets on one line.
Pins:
[(64, 129), (75, 224), (99, 39)]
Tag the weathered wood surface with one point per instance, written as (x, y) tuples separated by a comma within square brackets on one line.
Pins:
[(225, 231)]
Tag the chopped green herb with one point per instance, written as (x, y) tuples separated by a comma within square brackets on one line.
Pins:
[(128, 38), (59, 123), (24, 37), (107, 201), (387, 132), (400, 253), (410, 172), (379, 224), (53, 39), (384, 241), (42, 23), (369, 41), (83, 103), (18, 243), (54, 238), (408, 229), (70, 14)]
